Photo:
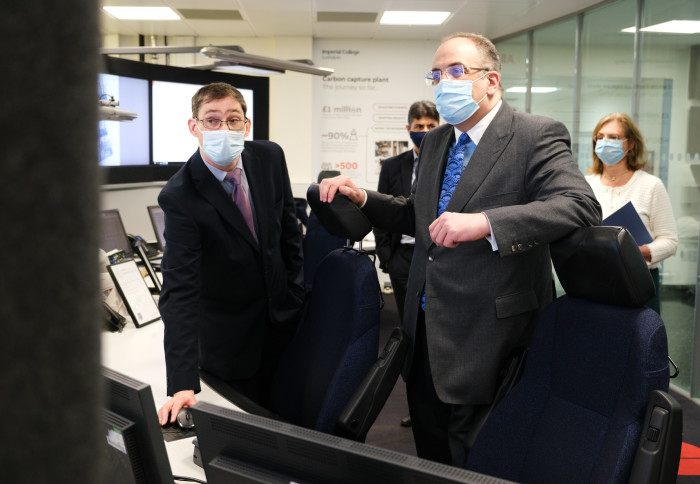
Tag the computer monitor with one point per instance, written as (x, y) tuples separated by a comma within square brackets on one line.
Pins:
[(158, 220), (113, 234), (132, 400), (241, 447), (123, 463)]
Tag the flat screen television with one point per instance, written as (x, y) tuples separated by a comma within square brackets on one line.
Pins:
[(154, 145), (240, 447), (131, 407)]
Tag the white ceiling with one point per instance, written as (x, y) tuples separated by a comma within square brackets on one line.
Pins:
[(279, 18)]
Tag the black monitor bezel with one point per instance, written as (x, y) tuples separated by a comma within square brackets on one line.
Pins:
[(304, 455), (133, 400), (160, 240), (156, 72), (128, 250)]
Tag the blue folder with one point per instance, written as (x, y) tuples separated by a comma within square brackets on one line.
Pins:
[(628, 218)]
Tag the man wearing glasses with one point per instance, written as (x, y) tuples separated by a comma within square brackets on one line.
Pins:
[(232, 268), (495, 188)]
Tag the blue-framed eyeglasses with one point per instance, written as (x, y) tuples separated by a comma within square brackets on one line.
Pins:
[(456, 71)]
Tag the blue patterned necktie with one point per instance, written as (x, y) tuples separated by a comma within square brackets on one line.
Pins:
[(453, 172)]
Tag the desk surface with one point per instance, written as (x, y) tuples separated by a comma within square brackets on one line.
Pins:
[(138, 353)]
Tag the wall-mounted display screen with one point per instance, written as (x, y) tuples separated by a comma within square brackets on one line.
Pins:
[(154, 145), (171, 108), (124, 142)]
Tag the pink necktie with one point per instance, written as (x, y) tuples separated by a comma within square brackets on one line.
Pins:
[(240, 198)]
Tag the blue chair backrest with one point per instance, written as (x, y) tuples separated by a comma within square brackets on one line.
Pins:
[(317, 244), (338, 340), (335, 346), (576, 415)]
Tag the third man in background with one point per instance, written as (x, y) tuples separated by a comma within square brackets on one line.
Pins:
[(398, 173)]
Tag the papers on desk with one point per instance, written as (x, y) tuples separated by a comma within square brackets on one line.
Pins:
[(135, 293), (628, 218)]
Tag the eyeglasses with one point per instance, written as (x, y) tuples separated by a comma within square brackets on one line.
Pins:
[(233, 124), (609, 136), (433, 77)]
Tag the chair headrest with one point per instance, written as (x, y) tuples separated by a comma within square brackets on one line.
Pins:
[(341, 217), (603, 264)]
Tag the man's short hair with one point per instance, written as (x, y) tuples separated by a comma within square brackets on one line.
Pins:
[(491, 58), (423, 109), (215, 91)]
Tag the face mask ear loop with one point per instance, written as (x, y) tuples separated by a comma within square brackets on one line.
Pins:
[(486, 94)]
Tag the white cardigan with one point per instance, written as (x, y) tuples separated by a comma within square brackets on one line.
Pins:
[(649, 197)]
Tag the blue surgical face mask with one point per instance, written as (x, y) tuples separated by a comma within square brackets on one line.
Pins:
[(454, 101), (417, 137), (223, 146), (609, 151)]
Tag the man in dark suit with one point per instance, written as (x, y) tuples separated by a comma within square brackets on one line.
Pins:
[(232, 267), (398, 173), (485, 208)]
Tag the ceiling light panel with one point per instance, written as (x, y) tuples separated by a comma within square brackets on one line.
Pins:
[(142, 13), (405, 17)]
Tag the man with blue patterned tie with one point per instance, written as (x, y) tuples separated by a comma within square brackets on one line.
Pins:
[(481, 271)]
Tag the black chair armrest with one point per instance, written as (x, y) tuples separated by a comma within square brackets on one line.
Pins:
[(364, 406), (659, 451)]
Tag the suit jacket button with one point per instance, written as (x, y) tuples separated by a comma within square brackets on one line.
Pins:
[(431, 258), (513, 248), (520, 246)]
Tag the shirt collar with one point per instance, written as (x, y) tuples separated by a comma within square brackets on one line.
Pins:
[(479, 128), (221, 174)]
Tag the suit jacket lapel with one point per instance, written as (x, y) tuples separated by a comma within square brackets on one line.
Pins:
[(210, 188), (489, 149), (256, 192), (406, 171)]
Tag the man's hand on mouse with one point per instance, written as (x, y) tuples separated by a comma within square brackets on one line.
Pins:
[(168, 412)]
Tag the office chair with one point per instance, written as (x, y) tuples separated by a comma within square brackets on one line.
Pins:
[(318, 242), (591, 405), (330, 378)]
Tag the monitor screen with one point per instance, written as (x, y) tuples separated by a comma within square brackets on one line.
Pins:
[(162, 126), (113, 235), (158, 220), (124, 142), (171, 108), (133, 400), (236, 446)]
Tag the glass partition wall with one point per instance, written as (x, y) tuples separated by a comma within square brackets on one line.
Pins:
[(622, 56)]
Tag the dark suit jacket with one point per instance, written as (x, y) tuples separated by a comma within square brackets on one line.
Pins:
[(220, 286), (394, 179), (479, 303)]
